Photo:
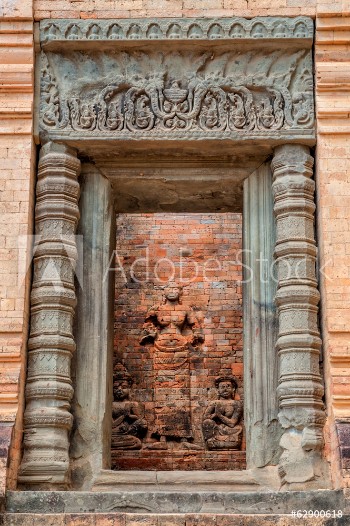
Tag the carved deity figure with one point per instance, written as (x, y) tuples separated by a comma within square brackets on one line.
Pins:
[(128, 424), (114, 118), (142, 112), (266, 115), (174, 331), (301, 110), (210, 111), (237, 114), (86, 118), (221, 429)]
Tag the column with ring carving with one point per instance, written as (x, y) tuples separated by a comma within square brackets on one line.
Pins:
[(300, 390), (47, 418)]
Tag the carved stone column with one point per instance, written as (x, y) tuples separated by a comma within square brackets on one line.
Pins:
[(92, 369), (300, 390), (47, 420), (263, 430)]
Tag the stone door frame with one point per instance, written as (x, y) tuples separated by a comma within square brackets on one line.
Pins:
[(162, 115)]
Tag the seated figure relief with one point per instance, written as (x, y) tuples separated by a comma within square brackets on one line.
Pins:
[(128, 424), (220, 426)]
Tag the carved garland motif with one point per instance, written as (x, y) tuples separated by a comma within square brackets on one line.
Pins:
[(206, 105), (212, 29)]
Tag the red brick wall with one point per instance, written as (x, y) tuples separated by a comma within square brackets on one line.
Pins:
[(210, 243), (179, 8)]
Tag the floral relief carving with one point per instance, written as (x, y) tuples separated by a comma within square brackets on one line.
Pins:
[(208, 98)]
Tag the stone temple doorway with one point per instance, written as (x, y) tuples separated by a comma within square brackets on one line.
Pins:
[(201, 251), (206, 252), (165, 116)]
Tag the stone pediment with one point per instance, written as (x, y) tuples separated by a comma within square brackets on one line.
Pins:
[(177, 80)]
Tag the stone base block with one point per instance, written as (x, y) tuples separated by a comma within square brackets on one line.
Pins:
[(130, 519), (179, 503)]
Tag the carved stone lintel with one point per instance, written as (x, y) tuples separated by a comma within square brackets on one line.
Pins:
[(47, 420), (217, 95), (300, 387)]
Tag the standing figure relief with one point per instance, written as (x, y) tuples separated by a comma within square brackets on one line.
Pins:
[(174, 331), (170, 326)]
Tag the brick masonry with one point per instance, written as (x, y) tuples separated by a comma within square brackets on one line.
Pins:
[(170, 8), (332, 61), (203, 253), (17, 169)]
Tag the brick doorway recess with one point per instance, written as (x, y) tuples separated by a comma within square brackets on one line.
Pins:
[(202, 253), (130, 300)]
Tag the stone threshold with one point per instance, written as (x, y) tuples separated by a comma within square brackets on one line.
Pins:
[(162, 502), (265, 479), (130, 519)]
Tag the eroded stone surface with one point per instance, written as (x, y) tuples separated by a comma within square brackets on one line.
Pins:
[(241, 29), (177, 94), (47, 420), (300, 389), (93, 359), (260, 321), (130, 519), (188, 501)]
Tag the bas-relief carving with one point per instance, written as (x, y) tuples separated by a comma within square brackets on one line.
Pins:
[(128, 423), (300, 388), (49, 390), (174, 29), (175, 332), (221, 429), (177, 94)]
